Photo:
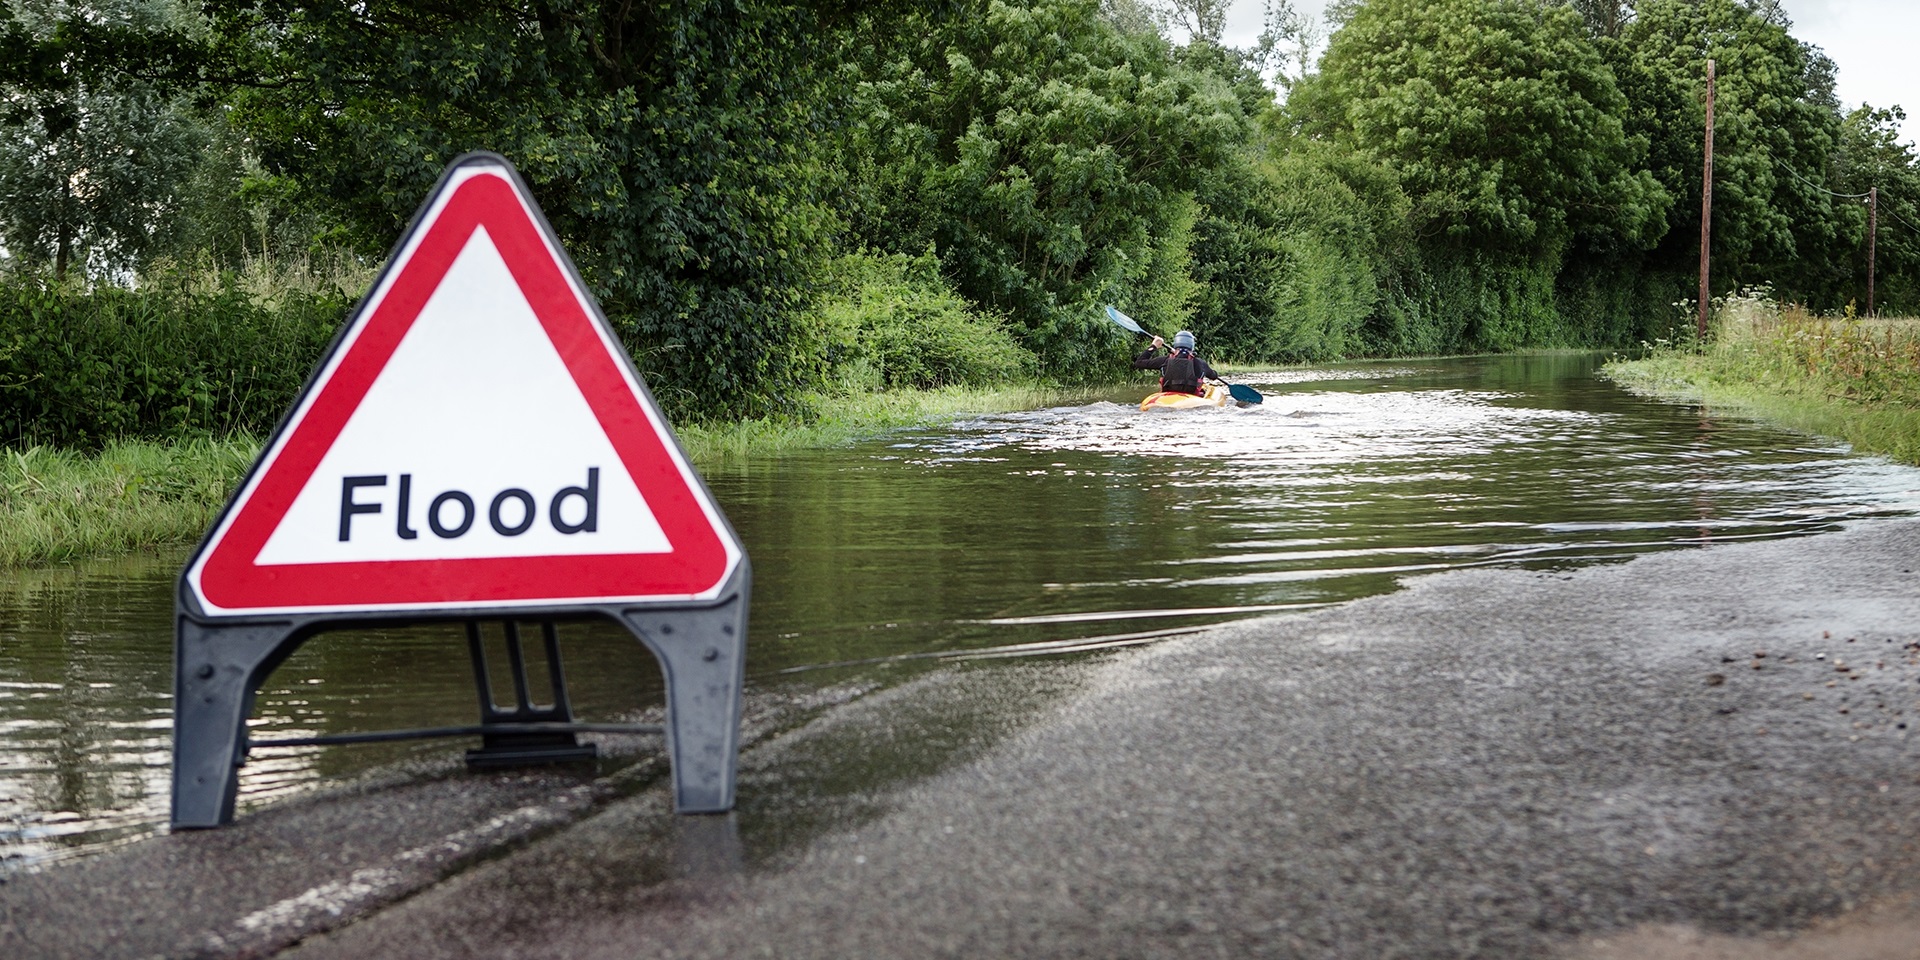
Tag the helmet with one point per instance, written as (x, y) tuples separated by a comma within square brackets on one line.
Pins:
[(1183, 340)]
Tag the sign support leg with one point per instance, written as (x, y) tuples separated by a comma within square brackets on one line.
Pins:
[(703, 653), (216, 669), (517, 749)]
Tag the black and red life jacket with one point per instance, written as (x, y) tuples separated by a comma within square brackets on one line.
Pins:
[(1182, 373)]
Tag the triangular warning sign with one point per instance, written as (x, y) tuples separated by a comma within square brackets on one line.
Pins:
[(476, 438)]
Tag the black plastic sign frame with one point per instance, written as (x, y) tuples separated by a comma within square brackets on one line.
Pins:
[(336, 525)]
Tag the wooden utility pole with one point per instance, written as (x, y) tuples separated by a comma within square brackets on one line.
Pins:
[(1873, 227), (1706, 204)]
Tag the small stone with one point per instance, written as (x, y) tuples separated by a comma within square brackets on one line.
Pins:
[(1716, 679)]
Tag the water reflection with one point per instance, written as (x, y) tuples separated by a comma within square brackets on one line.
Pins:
[(1075, 528)]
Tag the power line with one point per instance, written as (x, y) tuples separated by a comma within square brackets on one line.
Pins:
[(1849, 196), (1810, 183), (1902, 219)]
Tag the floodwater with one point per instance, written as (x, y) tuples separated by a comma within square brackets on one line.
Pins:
[(1081, 527)]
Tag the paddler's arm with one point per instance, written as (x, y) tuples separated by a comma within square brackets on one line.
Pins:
[(1147, 361)]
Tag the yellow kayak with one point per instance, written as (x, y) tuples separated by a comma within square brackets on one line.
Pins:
[(1216, 396)]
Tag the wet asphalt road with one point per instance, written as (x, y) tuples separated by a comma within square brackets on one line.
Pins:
[(1489, 763)]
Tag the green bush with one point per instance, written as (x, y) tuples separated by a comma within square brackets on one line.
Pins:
[(892, 321), (81, 368), (1617, 302)]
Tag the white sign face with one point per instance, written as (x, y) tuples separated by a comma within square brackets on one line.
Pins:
[(472, 441)]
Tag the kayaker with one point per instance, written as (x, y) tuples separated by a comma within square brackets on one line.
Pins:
[(1181, 371)]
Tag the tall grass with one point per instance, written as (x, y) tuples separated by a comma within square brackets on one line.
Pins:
[(1847, 377), (58, 505)]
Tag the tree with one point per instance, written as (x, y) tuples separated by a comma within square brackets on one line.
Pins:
[(1605, 17), (1502, 121), (1774, 134), (91, 159), (1043, 152), (1873, 155), (680, 151)]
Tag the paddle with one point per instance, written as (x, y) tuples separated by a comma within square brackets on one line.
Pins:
[(1244, 393), (1240, 392), (1125, 322)]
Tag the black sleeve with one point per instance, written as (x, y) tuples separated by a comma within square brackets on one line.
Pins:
[(1147, 361), (1206, 370)]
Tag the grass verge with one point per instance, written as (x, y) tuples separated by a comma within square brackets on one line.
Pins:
[(57, 505), (1858, 380)]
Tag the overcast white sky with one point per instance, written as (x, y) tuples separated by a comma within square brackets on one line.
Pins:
[(1871, 40)]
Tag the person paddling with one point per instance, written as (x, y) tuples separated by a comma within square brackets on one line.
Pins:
[(1181, 371)]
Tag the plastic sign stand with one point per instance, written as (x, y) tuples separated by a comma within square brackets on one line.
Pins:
[(476, 445)]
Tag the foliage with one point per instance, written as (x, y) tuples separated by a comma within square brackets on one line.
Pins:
[(1344, 223), (81, 369), (891, 322), (89, 167), (1774, 135), (1499, 116), (1166, 289), (1041, 150), (1614, 301), (1871, 155), (1239, 256), (1863, 361), (676, 148), (776, 198)]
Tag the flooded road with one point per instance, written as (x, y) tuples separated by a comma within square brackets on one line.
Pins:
[(1079, 527)]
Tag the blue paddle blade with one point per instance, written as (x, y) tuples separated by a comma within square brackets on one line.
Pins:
[(1124, 321), (1244, 393)]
